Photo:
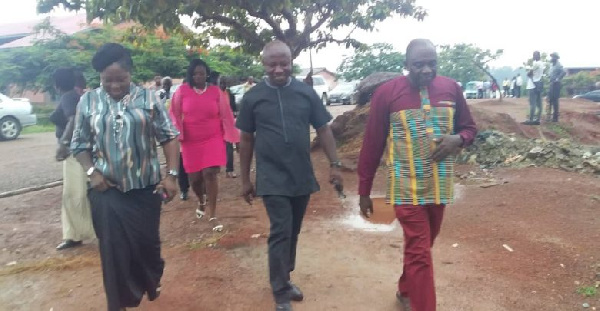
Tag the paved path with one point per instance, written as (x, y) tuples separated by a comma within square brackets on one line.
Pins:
[(28, 161)]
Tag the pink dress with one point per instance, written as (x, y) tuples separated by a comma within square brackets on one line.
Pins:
[(199, 119)]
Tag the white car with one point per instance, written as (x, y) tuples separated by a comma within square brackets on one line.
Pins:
[(14, 115), (320, 86)]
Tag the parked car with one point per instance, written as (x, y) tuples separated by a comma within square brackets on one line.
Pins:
[(342, 93), (14, 115), (593, 96), (320, 86), (471, 89)]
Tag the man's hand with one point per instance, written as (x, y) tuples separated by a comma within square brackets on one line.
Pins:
[(169, 186), (446, 145), (248, 192), (335, 178), (62, 152), (237, 147), (366, 205), (99, 182)]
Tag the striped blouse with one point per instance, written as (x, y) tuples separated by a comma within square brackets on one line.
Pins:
[(122, 135)]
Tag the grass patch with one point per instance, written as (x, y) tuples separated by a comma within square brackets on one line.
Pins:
[(587, 291), (206, 242), (560, 130), (51, 264), (42, 111), (38, 128)]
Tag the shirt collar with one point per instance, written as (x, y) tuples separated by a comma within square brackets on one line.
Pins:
[(268, 83)]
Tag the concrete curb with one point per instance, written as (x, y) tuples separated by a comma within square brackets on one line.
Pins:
[(30, 189), (38, 188)]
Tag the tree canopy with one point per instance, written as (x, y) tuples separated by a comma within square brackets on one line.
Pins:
[(466, 62), (302, 24), (154, 53), (379, 57)]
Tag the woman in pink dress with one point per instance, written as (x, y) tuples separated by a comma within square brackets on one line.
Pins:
[(204, 125)]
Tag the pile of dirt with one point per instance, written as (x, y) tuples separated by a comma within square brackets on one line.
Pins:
[(501, 141), (368, 85), (494, 148), (348, 130), (579, 124)]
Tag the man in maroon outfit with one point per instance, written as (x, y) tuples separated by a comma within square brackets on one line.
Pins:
[(425, 121)]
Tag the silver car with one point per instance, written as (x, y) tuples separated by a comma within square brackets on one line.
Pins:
[(14, 115)]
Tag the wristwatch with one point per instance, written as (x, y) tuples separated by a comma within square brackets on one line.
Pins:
[(335, 164), (173, 173), (90, 171)]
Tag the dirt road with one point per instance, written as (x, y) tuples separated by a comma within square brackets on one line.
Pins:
[(549, 218)]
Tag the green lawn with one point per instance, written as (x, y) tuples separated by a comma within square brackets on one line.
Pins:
[(43, 125), (38, 128)]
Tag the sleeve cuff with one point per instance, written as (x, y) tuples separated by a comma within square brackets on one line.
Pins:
[(364, 188)]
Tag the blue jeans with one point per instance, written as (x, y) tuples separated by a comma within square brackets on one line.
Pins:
[(535, 102)]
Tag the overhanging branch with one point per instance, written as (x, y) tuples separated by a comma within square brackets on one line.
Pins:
[(239, 27)]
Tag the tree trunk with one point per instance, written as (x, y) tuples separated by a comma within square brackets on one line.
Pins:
[(492, 77)]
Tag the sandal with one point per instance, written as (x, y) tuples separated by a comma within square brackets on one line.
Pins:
[(201, 206), (218, 227), (200, 213), (231, 175)]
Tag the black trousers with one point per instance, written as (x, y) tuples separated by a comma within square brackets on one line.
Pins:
[(183, 179), (517, 92), (285, 214), (127, 226), (553, 96), (229, 149)]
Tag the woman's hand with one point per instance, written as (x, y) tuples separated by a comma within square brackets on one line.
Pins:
[(99, 182)]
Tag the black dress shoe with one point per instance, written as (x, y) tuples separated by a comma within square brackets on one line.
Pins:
[(183, 196), (295, 293), (283, 307), (68, 244), (404, 301)]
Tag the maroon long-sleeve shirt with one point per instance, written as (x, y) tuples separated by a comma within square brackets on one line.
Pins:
[(397, 95)]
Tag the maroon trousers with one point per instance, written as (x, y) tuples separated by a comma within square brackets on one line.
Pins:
[(421, 225)]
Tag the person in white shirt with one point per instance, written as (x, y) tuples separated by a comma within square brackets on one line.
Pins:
[(518, 84), (535, 87)]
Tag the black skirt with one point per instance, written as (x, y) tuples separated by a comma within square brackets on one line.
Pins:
[(127, 226)]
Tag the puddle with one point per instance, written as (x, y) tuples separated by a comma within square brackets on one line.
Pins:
[(384, 216), (382, 220)]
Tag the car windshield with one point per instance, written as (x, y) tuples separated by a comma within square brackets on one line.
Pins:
[(471, 86), (344, 88)]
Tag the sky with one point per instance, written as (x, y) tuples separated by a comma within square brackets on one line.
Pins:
[(517, 26)]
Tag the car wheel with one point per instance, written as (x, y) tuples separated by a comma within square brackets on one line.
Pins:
[(9, 128), (325, 99)]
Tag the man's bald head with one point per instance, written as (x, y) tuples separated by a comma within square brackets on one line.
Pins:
[(277, 61), (276, 47), (418, 44)]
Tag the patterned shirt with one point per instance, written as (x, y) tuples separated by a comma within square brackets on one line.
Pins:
[(408, 120), (122, 135)]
